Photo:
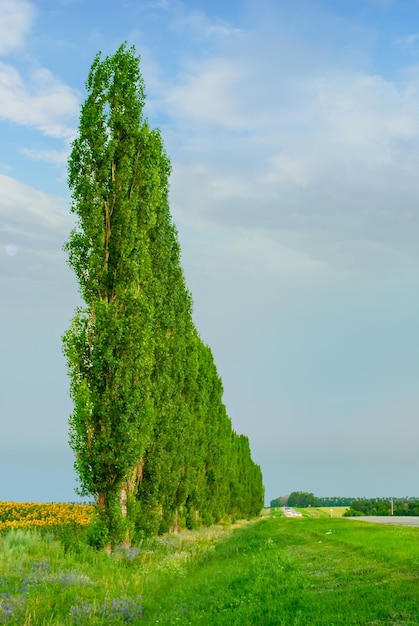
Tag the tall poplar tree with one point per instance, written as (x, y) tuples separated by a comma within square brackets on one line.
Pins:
[(153, 442), (118, 175)]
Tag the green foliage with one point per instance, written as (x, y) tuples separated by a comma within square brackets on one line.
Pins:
[(383, 506), (334, 501), (152, 438), (98, 531), (118, 176), (358, 506), (314, 500), (278, 502), (302, 499)]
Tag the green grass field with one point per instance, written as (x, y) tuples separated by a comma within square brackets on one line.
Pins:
[(323, 511), (275, 571)]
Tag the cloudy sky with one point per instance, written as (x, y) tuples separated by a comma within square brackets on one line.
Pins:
[(293, 130)]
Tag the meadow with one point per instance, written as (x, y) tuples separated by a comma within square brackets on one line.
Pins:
[(323, 511), (270, 571)]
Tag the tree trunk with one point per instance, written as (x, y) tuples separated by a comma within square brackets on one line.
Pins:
[(101, 503), (127, 490)]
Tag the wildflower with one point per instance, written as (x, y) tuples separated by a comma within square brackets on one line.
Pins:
[(29, 514), (125, 609), (10, 606)]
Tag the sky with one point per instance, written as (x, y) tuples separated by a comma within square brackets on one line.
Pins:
[(293, 132)]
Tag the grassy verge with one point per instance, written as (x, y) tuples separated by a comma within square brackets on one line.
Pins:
[(276, 571), (289, 572)]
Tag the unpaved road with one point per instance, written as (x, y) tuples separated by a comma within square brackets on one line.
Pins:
[(396, 520)]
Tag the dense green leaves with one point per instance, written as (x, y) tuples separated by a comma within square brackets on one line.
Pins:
[(303, 499), (383, 506), (153, 442)]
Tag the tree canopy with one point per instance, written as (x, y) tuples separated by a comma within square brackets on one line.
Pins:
[(154, 445)]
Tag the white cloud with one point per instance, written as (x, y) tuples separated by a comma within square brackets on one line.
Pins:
[(286, 168), (262, 253), (318, 183), (33, 98), (34, 226), (56, 157), (407, 41), (16, 17), (26, 206), (41, 101), (156, 4), (332, 150), (365, 111), (199, 25), (31, 215), (206, 94), (194, 25)]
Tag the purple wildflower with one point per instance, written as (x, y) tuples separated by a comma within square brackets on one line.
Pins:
[(124, 610)]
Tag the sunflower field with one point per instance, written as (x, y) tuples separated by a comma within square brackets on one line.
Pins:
[(31, 514)]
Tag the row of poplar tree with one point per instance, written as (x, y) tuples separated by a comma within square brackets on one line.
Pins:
[(154, 445)]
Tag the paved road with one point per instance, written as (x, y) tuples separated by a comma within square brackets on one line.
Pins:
[(397, 520), (291, 512)]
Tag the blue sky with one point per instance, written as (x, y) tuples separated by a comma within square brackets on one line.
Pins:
[(293, 130)]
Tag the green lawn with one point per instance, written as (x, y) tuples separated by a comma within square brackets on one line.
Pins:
[(276, 571)]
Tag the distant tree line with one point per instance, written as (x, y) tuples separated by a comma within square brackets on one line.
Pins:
[(357, 506), (383, 506), (153, 442), (304, 499)]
